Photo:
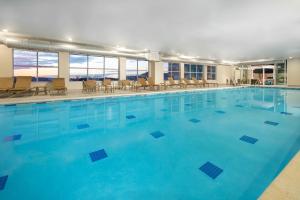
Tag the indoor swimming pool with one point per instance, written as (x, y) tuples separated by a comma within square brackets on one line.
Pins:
[(217, 144)]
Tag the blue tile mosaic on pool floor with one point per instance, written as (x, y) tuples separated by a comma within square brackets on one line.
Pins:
[(211, 170), (3, 180), (130, 116), (12, 137), (271, 123), (194, 120), (220, 112), (98, 155), (157, 134), (83, 126), (163, 110), (248, 139), (188, 104), (286, 113)]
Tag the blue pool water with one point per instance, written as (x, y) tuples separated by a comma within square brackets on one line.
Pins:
[(222, 144)]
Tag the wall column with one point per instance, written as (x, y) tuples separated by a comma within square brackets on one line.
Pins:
[(6, 61), (156, 71), (63, 66), (122, 68), (181, 69), (204, 72)]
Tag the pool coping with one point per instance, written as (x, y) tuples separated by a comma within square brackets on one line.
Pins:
[(286, 184), (28, 101)]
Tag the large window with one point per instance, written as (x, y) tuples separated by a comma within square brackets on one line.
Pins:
[(136, 69), (211, 73), (83, 67), (193, 71), (42, 66), (171, 70)]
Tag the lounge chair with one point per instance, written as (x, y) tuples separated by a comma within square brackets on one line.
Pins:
[(58, 85), (190, 82), (172, 83), (6, 83), (198, 82), (124, 84), (152, 84), (214, 83), (107, 85), (22, 86), (183, 83), (141, 83), (89, 86)]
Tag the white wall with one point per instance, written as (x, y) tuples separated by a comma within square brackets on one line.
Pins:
[(6, 61), (293, 72), (224, 72)]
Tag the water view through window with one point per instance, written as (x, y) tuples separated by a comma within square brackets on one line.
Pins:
[(42, 66), (83, 67), (136, 69)]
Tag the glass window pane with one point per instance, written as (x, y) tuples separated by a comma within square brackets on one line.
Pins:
[(111, 74), (131, 64), (95, 74), (187, 76), (96, 62), (26, 71), (193, 68), (131, 74), (175, 75), (47, 59), (78, 74), (47, 73), (25, 58), (78, 61), (111, 63), (143, 65), (143, 74), (199, 68), (186, 67), (166, 67), (175, 67)]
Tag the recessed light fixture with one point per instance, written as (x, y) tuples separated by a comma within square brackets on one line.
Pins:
[(4, 30), (70, 39), (290, 57)]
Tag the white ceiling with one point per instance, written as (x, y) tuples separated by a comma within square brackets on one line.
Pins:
[(212, 29)]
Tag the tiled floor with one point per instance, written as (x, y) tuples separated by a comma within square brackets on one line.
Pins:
[(286, 186), (77, 94)]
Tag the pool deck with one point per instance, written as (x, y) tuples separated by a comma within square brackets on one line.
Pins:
[(78, 94), (286, 186)]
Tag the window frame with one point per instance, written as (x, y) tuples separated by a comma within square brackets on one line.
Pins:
[(137, 74), (95, 68), (190, 73), (170, 73), (212, 73), (37, 66)]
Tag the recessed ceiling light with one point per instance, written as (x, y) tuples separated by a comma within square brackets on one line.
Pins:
[(4, 30), (290, 57), (70, 39)]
